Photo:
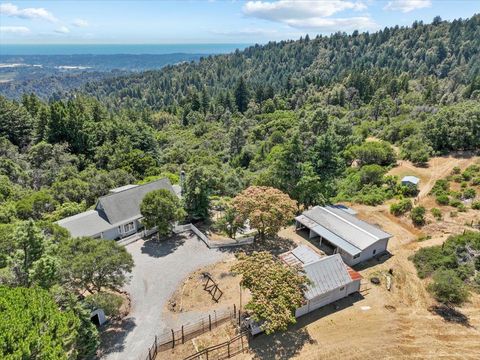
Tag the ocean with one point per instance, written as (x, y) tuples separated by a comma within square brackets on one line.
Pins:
[(114, 49)]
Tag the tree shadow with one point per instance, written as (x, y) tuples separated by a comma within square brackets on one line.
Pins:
[(112, 336), (275, 245), (287, 344), (161, 248), (450, 314), (379, 259), (282, 345)]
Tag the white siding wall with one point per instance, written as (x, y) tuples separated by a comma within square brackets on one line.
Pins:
[(380, 246), (323, 300)]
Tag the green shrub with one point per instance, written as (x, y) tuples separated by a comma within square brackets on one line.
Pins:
[(455, 203), (441, 187), (401, 207), (437, 214), (429, 259), (456, 170), (476, 205), (418, 215), (467, 175), (457, 178), (448, 288), (469, 193), (475, 181), (464, 185), (110, 303), (442, 199)]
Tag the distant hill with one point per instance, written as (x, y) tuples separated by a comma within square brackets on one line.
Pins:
[(362, 61), (56, 75)]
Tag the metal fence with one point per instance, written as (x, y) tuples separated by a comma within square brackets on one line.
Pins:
[(225, 350), (172, 338)]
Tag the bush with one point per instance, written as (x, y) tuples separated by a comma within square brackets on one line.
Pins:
[(437, 214), (428, 259), (401, 207), (441, 186), (418, 215), (442, 199), (455, 203), (448, 288), (469, 193), (110, 303), (456, 170), (476, 205)]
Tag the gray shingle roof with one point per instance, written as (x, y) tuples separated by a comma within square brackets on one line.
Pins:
[(345, 226), (88, 223), (124, 205), (326, 274)]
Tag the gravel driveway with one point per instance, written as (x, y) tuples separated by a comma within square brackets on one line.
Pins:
[(159, 269)]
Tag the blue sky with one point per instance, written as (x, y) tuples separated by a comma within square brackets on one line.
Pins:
[(219, 21)]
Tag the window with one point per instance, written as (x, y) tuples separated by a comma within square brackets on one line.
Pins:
[(128, 227), (374, 251), (356, 256)]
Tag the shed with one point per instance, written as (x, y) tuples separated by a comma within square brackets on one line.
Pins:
[(410, 180), (338, 231)]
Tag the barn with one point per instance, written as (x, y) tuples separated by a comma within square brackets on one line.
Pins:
[(338, 231), (330, 279)]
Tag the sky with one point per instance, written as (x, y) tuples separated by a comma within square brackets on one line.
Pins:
[(214, 21)]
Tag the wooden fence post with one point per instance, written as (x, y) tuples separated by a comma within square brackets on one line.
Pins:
[(209, 322), (234, 311), (149, 354), (228, 349), (173, 339), (183, 336), (239, 318), (156, 346)]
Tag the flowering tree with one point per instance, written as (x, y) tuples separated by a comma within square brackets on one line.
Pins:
[(277, 290), (268, 209)]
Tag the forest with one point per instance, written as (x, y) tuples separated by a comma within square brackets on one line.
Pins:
[(322, 119)]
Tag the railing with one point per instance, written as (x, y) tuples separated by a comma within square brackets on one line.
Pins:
[(211, 244), (172, 338), (225, 350)]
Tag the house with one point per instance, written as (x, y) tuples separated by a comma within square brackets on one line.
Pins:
[(330, 279), (410, 180), (339, 231), (117, 214)]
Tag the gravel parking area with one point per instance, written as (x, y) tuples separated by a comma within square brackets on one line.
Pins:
[(159, 268)]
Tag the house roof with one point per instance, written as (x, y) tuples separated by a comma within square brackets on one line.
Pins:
[(341, 228), (326, 274), (88, 223), (411, 179), (125, 204)]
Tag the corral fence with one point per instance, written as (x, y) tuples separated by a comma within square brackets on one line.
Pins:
[(225, 350), (172, 338)]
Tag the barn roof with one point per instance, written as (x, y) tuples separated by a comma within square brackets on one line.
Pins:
[(341, 228), (326, 274), (300, 256), (125, 204)]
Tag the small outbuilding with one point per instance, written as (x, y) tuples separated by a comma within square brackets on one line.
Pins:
[(330, 279), (339, 232), (410, 180)]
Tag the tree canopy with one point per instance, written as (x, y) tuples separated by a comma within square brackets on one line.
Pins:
[(261, 273), (161, 209)]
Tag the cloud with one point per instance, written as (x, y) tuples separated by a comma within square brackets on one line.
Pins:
[(314, 15), (12, 10), (406, 6), (62, 30), (290, 9), (21, 30), (80, 23)]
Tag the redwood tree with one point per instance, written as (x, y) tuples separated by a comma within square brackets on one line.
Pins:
[(268, 209)]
